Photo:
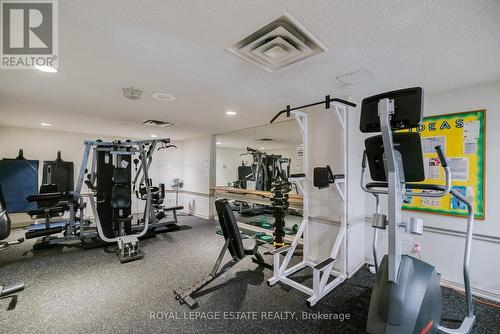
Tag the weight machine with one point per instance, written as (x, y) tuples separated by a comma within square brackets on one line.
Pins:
[(109, 180), (159, 220), (324, 269)]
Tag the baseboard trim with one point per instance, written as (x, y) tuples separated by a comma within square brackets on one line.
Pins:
[(194, 214), (356, 269), (476, 291)]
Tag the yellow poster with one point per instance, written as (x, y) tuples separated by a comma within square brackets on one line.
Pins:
[(462, 137)]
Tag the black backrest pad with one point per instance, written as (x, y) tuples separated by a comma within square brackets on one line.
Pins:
[(61, 174), (408, 110), (230, 228), (162, 190), (48, 188), (120, 197), (121, 176), (244, 172), (4, 218), (409, 146), (48, 202), (2, 200), (322, 177)]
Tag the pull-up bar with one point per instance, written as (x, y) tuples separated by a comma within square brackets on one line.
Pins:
[(327, 102)]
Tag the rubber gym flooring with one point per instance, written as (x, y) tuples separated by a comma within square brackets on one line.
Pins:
[(69, 290)]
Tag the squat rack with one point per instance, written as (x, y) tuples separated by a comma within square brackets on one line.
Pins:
[(323, 269)]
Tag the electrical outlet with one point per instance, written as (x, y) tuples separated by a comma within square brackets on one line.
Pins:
[(416, 247)]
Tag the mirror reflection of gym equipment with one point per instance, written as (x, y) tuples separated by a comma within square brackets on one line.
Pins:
[(218, 166)]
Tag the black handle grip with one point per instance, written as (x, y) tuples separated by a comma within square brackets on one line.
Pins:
[(442, 156), (280, 113), (344, 102), (363, 164)]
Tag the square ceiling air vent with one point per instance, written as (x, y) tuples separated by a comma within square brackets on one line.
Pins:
[(280, 43), (161, 124)]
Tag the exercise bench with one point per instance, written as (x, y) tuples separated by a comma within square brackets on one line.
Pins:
[(238, 249)]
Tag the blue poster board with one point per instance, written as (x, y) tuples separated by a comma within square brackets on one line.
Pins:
[(19, 178)]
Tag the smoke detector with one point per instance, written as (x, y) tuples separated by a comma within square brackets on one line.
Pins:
[(163, 97), (132, 93), (156, 123), (280, 43)]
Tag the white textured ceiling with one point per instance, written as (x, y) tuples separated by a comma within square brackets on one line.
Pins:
[(179, 47)]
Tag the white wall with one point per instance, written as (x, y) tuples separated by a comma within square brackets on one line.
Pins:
[(444, 249), (197, 164)]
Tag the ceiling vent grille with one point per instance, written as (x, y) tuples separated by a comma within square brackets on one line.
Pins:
[(160, 124), (132, 93), (280, 43)]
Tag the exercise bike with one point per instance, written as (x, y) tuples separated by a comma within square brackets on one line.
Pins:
[(406, 296)]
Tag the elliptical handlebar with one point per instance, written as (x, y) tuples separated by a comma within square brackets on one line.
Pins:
[(447, 174), (438, 191), (442, 156)]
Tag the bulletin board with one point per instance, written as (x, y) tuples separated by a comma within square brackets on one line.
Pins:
[(462, 136)]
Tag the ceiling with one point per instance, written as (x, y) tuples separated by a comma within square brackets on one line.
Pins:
[(179, 47)]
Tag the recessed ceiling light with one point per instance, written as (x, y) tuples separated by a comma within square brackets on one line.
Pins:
[(218, 143), (45, 124), (163, 97), (153, 136), (45, 68), (262, 148), (231, 113)]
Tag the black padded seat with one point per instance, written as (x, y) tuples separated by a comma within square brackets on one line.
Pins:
[(52, 211), (250, 246)]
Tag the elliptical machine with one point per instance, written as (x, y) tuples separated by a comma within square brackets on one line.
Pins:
[(406, 296)]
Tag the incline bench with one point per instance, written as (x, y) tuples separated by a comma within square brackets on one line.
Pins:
[(237, 247)]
